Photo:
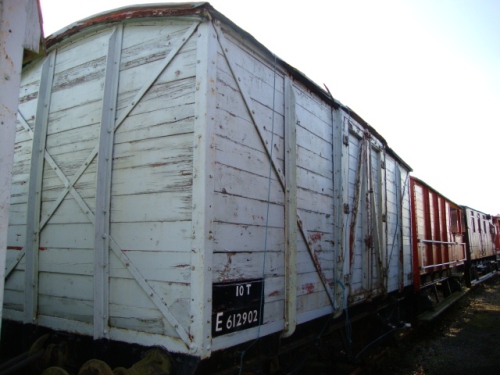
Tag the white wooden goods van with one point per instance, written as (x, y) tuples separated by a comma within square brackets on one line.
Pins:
[(177, 184)]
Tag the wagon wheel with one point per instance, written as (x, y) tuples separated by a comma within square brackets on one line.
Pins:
[(95, 367), (55, 371)]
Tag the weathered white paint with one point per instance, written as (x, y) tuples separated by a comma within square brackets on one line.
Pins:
[(33, 227), (386, 223), (63, 213), (273, 322), (20, 28), (219, 166), (233, 78), (290, 211), (202, 260), (103, 185)]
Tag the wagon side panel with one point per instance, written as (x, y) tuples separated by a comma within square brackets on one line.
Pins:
[(112, 228), (365, 240), (250, 186), (315, 253), (248, 196), (151, 191), (398, 225)]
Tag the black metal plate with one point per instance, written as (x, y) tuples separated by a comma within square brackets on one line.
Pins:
[(236, 306)]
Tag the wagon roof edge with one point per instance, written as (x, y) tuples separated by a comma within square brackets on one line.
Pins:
[(206, 10), (128, 12), (422, 182)]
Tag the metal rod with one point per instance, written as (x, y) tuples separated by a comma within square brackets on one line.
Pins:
[(439, 242), (443, 264)]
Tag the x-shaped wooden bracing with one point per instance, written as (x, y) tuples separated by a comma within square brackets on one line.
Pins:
[(364, 178), (69, 184), (248, 103)]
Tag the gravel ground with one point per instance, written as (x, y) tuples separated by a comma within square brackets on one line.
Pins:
[(465, 339)]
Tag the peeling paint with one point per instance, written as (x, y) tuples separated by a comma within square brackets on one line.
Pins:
[(315, 237), (308, 288), (19, 248)]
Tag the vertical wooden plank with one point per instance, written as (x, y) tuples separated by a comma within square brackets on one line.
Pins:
[(376, 193), (290, 210), (406, 223), (35, 190), (103, 187), (398, 238), (346, 206), (370, 220), (357, 227), (13, 30), (339, 163), (203, 191), (416, 262), (382, 219), (428, 247), (385, 216)]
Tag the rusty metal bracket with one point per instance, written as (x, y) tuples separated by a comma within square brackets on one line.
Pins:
[(345, 140), (347, 209)]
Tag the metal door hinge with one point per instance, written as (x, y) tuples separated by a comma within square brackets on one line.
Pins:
[(347, 279), (346, 140)]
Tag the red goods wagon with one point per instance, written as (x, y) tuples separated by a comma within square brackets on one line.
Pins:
[(437, 240)]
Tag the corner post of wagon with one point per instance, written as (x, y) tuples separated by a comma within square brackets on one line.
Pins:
[(203, 235)]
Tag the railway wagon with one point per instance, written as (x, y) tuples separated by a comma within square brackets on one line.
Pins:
[(437, 238), (439, 248), (177, 184), (496, 224), (480, 236)]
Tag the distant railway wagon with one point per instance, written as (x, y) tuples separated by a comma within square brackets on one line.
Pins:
[(496, 224), (439, 246), (178, 185), (480, 238)]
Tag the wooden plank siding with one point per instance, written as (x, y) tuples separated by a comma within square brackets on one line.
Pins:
[(152, 178), (16, 234), (199, 190), (480, 240), (378, 238), (248, 197), (243, 177)]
